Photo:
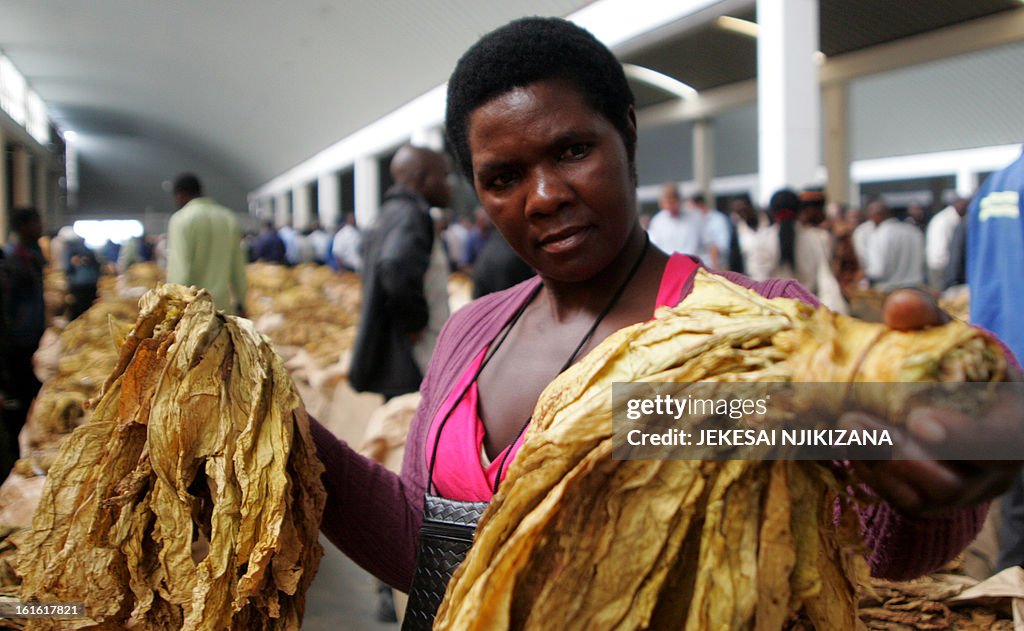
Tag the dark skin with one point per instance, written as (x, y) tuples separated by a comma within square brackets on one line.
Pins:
[(546, 336), (922, 485), (554, 177)]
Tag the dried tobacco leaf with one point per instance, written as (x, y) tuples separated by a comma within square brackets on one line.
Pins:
[(576, 540), (192, 499)]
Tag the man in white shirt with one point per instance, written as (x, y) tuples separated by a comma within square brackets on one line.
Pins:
[(674, 228), (715, 235), (938, 236), (318, 241), (347, 243), (895, 251), (861, 235)]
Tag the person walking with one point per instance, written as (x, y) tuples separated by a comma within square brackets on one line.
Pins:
[(204, 246)]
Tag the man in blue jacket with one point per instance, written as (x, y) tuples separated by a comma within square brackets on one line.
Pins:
[(995, 274)]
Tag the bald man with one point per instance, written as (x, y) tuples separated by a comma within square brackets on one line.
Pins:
[(395, 309)]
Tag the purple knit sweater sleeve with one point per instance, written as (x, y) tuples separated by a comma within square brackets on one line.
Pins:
[(372, 514), (366, 516)]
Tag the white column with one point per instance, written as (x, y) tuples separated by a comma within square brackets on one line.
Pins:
[(42, 188), (70, 175), (704, 158), (22, 181), (282, 209), (4, 210), (328, 191), (302, 214), (367, 190), (966, 183), (837, 158), (788, 94), (261, 208)]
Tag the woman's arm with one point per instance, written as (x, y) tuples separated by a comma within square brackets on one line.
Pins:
[(904, 546), (367, 515)]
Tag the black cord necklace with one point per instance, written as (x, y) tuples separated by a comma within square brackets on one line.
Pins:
[(494, 348)]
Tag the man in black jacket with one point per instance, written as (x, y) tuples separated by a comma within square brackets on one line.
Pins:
[(396, 255), (395, 312)]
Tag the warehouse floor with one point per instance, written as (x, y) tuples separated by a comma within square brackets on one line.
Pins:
[(342, 597)]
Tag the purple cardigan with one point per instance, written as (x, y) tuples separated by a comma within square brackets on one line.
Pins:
[(374, 515)]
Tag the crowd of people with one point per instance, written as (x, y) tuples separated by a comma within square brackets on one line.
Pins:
[(836, 251)]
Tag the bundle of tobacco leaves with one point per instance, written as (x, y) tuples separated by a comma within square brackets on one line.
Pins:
[(192, 499), (575, 539)]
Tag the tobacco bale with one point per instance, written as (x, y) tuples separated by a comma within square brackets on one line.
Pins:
[(198, 436), (576, 540)]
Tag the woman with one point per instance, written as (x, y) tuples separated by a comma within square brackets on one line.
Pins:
[(757, 237), (804, 251), (541, 118)]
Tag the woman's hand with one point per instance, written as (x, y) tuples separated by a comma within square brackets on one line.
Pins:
[(917, 482)]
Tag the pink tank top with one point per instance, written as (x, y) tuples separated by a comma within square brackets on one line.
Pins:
[(460, 472)]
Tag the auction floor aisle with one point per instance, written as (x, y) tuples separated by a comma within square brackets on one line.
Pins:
[(342, 597)]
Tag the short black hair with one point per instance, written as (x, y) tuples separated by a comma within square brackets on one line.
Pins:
[(22, 216), (784, 199), (529, 50), (188, 184)]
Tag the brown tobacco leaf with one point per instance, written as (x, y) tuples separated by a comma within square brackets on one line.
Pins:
[(577, 540), (198, 437)]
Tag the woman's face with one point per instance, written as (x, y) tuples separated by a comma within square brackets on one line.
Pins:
[(554, 176)]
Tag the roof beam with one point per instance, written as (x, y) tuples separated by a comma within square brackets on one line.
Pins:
[(1001, 28), (707, 103)]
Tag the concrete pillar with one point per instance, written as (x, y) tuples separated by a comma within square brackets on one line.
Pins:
[(42, 180), (21, 185), (704, 158), (4, 210), (283, 209), (302, 214), (265, 209), (328, 187), (788, 94), (837, 156), (367, 190), (966, 183)]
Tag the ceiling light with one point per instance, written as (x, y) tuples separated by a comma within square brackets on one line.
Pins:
[(615, 22), (659, 80), (736, 25), (70, 136)]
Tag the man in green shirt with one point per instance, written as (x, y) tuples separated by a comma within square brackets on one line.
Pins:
[(204, 246)]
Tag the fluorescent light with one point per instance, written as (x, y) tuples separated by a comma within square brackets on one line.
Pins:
[(751, 29), (659, 80), (736, 25), (617, 21), (70, 136)]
